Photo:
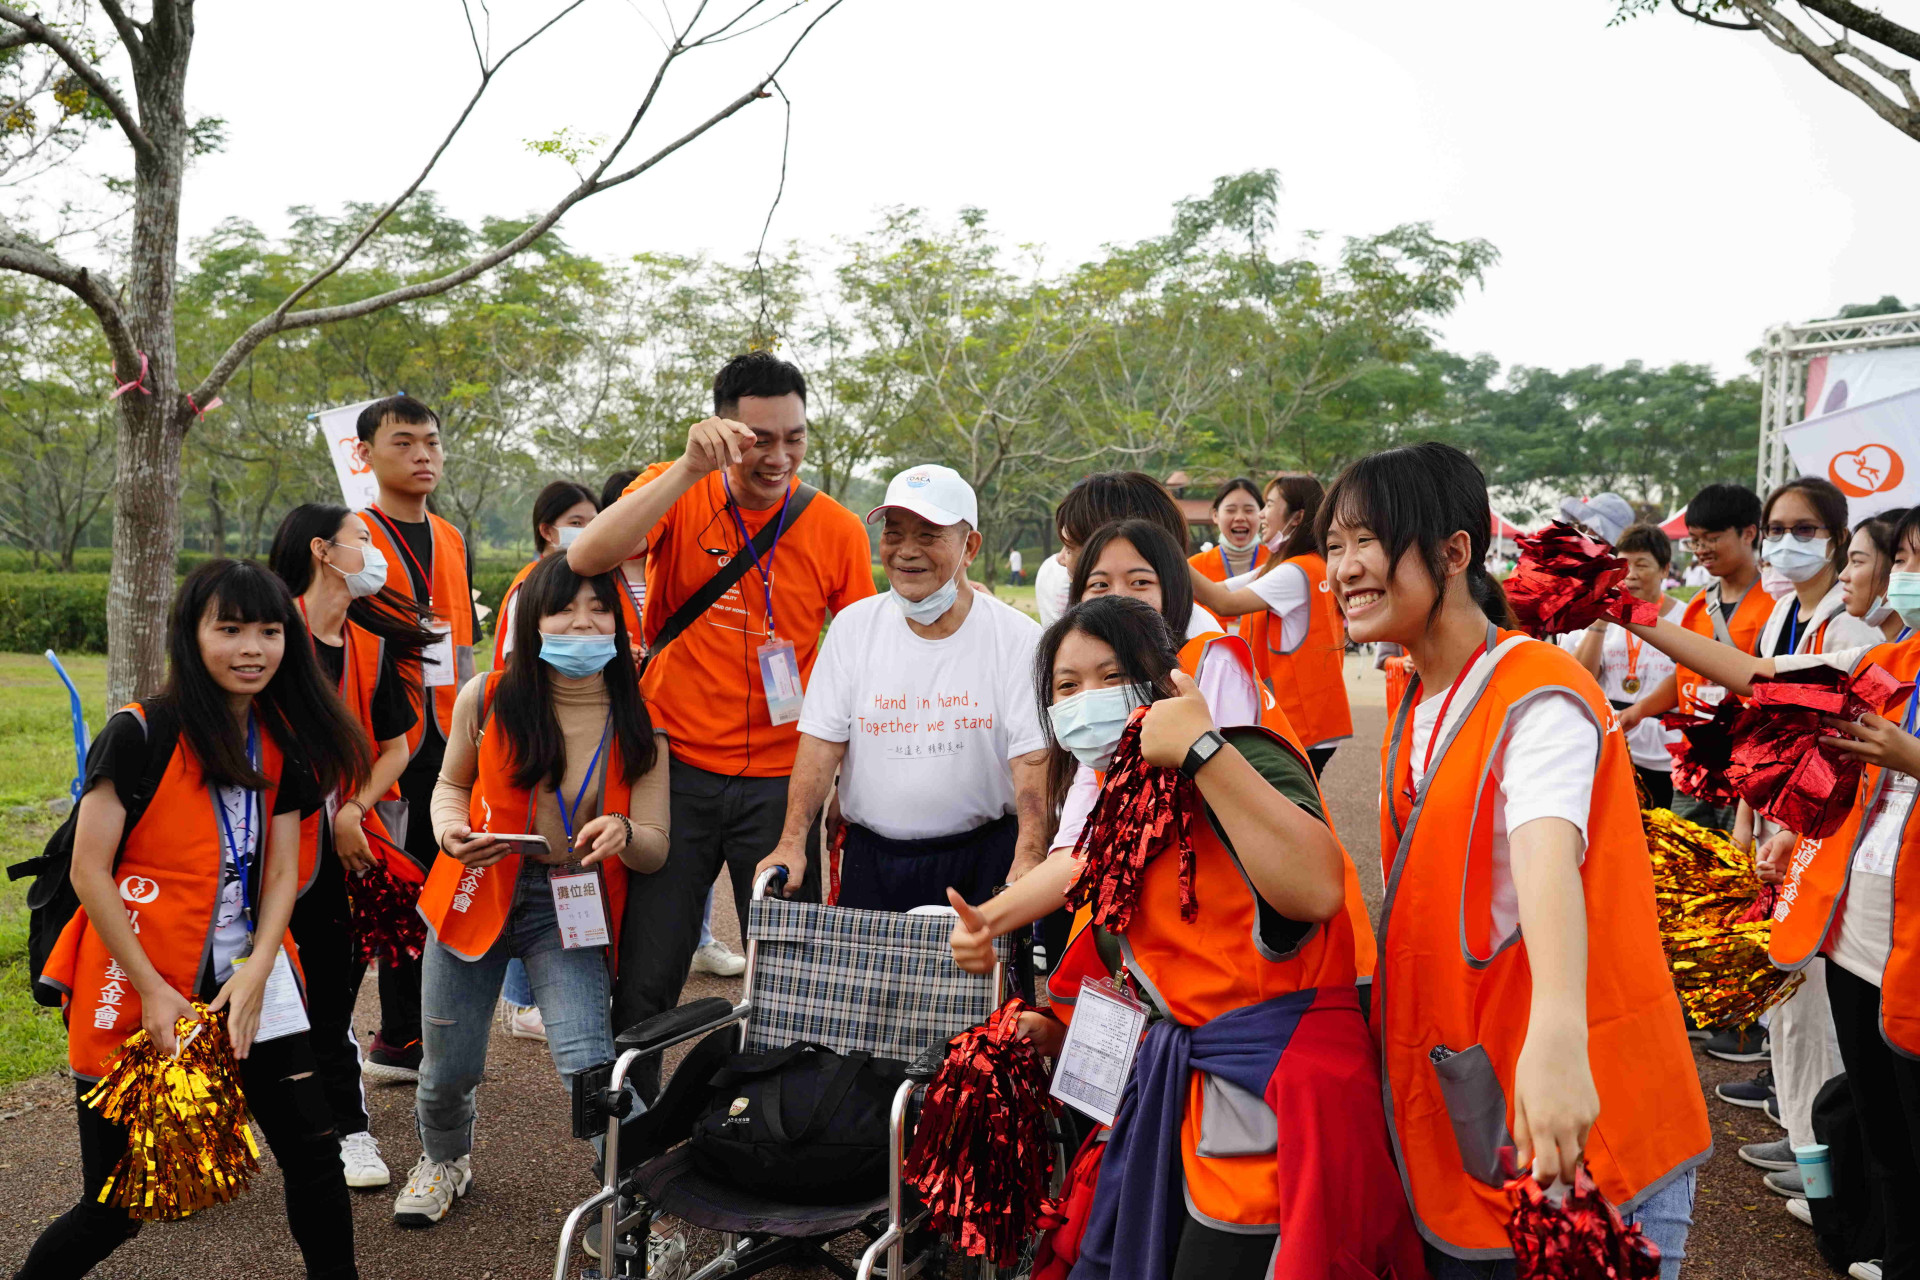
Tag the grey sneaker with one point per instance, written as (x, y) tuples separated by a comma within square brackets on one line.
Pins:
[(1769, 1155), (431, 1189), (1786, 1182)]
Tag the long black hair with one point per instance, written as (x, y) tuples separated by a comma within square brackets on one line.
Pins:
[(1158, 550), (1142, 644), (1303, 494), (523, 703), (554, 501), (1106, 496), (1417, 497), (405, 624), (298, 707)]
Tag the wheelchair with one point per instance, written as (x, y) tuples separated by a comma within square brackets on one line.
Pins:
[(849, 979)]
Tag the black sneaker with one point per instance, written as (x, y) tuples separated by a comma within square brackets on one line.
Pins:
[(1747, 1093), (387, 1064), (1739, 1044), (1773, 1111)]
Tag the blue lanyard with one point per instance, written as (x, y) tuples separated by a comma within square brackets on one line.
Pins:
[(766, 570), (239, 850), (1913, 704), (1228, 569), (1793, 635), (567, 815)]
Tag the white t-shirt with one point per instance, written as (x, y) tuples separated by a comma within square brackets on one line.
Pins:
[(1288, 595), (242, 811), (1647, 741), (1014, 561), (1697, 576), (1865, 937), (1543, 768), (1231, 696), (929, 724), (1052, 582)]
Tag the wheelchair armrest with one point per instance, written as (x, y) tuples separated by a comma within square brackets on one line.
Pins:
[(926, 1064), (673, 1024)]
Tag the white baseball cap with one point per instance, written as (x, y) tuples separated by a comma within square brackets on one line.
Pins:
[(936, 494), (1607, 514)]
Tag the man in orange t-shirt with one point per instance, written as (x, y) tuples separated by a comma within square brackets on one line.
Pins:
[(705, 688)]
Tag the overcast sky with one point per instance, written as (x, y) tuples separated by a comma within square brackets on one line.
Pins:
[(1657, 190)]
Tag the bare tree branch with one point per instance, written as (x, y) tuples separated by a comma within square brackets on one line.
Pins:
[(1865, 22), (592, 184), (130, 33), (487, 74), (88, 74), (17, 253), (1826, 59), (1700, 16)]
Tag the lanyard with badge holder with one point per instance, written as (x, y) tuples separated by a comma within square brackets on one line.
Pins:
[(779, 666), (282, 1011), (579, 906), (1440, 724), (436, 660)]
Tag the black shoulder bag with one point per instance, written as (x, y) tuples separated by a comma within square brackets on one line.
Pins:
[(729, 573)]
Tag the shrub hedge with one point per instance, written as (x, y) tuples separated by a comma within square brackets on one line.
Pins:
[(66, 612)]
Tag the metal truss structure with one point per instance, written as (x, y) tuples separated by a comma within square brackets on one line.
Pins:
[(1783, 374)]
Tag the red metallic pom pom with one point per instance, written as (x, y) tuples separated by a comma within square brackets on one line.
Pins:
[(1581, 1238), (1143, 811)]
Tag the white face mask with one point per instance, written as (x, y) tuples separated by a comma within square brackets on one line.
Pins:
[(1878, 612), (563, 536), (1239, 548), (1089, 723), (931, 609), (370, 577), (1797, 561)]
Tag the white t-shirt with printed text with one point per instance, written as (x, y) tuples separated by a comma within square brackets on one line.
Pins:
[(930, 725)]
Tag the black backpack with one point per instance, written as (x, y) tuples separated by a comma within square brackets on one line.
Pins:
[(51, 900), (802, 1124)]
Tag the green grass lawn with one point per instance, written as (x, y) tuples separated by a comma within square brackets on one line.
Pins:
[(36, 764)]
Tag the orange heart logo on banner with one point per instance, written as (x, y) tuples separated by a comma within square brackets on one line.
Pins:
[(1870, 469)]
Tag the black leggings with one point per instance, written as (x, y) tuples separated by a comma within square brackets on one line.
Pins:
[(1208, 1253), (1886, 1093), (293, 1115), (1659, 785), (1318, 757), (323, 927)]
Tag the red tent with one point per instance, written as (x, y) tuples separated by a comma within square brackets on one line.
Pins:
[(1675, 525), (1505, 528)]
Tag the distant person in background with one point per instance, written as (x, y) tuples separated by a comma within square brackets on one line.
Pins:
[(1015, 565), (1627, 666), (400, 441), (560, 511), (1696, 575), (1236, 516)]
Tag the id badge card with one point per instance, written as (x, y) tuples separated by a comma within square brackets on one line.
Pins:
[(1882, 844), (1097, 1058), (436, 660), (580, 908), (282, 1011), (780, 680)]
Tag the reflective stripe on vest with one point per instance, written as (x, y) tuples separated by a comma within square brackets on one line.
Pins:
[(1445, 982), (1310, 679)]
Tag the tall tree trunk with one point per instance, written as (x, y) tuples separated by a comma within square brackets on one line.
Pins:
[(217, 519), (146, 506)]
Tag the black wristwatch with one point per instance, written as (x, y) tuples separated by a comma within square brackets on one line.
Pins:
[(1204, 748)]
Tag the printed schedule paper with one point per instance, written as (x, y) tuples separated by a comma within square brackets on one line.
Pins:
[(1098, 1055)]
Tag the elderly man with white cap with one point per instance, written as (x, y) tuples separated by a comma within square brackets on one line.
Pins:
[(922, 699)]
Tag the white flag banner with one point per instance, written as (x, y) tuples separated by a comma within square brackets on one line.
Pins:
[(340, 433), (1850, 378), (1872, 451)]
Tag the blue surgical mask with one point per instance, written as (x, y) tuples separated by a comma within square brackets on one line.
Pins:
[(1797, 561), (1903, 594), (1089, 724), (933, 607), (576, 655), (371, 575)]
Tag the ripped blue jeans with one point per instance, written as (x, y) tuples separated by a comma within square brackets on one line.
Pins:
[(457, 999)]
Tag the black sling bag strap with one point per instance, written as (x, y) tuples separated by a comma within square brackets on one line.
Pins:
[(730, 572)]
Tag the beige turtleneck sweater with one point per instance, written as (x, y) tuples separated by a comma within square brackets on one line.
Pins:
[(581, 706)]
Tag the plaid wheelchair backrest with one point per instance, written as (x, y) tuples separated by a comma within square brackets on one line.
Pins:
[(859, 980)]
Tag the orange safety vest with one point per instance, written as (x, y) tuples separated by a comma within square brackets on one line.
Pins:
[(1310, 679), (359, 677), (500, 623), (451, 602), (1399, 673), (466, 907), (1275, 719), (1212, 566), (1808, 909), (1744, 627), (1445, 981), (168, 874)]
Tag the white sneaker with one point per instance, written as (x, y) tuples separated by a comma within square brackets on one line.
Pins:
[(525, 1023), (1865, 1270), (360, 1153), (1800, 1210), (431, 1189), (714, 958)]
